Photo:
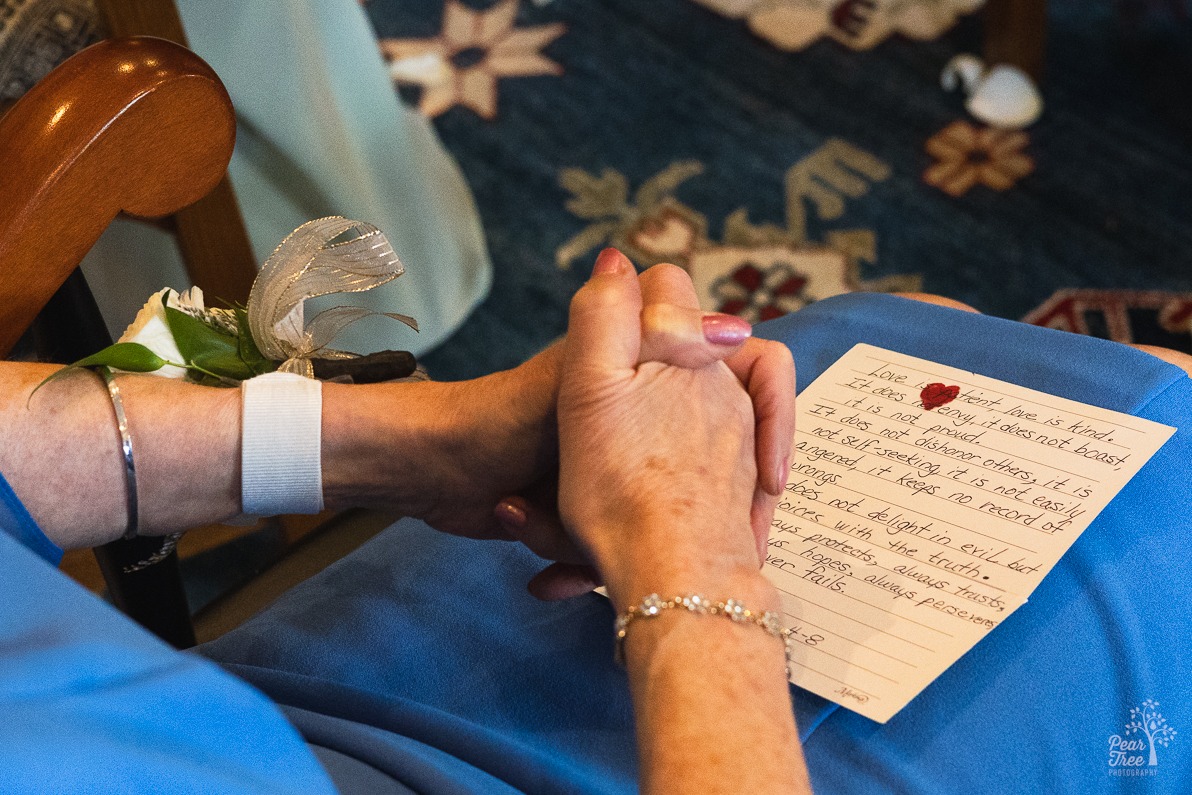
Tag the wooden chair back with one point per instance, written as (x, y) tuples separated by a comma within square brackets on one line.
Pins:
[(210, 233), (135, 125)]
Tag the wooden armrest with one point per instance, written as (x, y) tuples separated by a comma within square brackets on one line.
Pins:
[(139, 125)]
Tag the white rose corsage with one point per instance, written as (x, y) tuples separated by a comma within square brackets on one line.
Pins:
[(175, 335)]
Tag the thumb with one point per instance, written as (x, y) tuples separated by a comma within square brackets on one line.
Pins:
[(604, 332), (689, 338)]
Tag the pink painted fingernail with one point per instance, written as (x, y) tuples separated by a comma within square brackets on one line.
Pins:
[(721, 329), (610, 261), (510, 513)]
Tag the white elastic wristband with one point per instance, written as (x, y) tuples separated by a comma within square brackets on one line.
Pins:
[(281, 445)]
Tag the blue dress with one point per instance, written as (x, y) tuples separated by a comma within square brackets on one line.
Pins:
[(419, 663), (90, 702)]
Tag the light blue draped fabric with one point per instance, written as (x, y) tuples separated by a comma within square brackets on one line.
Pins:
[(92, 703), (320, 132)]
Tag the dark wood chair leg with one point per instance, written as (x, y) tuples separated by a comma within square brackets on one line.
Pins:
[(1016, 34), (153, 596)]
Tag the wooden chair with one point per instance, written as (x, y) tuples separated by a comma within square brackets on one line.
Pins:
[(141, 126), (134, 125), (210, 231)]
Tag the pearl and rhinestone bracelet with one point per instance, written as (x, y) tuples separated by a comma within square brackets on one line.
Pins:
[(653, 606)]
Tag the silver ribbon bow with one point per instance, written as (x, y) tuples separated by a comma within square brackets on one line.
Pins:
[(326, 256)]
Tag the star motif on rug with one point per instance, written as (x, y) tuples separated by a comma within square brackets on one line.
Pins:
[(474, 50), (969, 155)]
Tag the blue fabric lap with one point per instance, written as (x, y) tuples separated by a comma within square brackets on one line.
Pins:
[(420, 644), (424, 655), (17, 522), (92, 703), (1032, 707)]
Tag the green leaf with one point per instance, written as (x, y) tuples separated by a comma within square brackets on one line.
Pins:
[(249, 353), (131, 356), (202, 379), (223, 364), (205, 348)]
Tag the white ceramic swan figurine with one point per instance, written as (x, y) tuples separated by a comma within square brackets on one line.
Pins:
[(1001, 96)]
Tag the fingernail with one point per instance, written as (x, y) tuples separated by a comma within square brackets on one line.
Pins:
[(610, 261), (510, 513), (784, 470), (721, 329)]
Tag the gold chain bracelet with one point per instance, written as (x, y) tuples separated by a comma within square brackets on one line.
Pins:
[(653, 606)]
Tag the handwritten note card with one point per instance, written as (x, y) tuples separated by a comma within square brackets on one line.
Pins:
[(924, 504)]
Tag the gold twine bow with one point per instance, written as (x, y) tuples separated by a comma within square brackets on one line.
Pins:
[(326, 256)]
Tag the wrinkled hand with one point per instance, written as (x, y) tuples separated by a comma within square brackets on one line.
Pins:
[(495, 436), (658, 475), (499, 432), (675, 332), (765, 369)]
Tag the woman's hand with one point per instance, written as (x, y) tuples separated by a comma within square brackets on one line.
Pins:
[(453, 451), (674, 331), (658, 472), (448, 452), (658, 482)]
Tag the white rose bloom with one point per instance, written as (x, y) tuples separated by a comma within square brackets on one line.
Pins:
[(149, 327)]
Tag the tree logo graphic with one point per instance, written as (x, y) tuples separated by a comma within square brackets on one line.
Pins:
[(1146, 730), (1147, 720)]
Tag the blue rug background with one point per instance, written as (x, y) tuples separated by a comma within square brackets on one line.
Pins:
[(650, 83)]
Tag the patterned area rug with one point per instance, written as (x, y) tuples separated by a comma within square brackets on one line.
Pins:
[(783, 151), (780, 150), (780, 169), (37, 35)]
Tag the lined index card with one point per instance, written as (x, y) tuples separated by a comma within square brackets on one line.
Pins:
[(923, 506)]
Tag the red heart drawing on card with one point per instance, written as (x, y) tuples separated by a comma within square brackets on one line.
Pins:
[(936, 395)]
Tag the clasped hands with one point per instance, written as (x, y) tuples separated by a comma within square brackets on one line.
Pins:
[(647, 450)]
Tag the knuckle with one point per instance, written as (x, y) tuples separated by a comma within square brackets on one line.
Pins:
[(595, 296), (666, 271), (656, 317), (780, 353), (669, 281)]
